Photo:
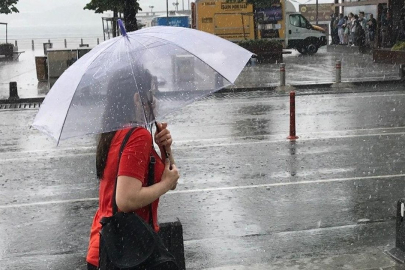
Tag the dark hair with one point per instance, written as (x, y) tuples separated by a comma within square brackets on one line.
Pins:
[(120, 109), (104, 143)]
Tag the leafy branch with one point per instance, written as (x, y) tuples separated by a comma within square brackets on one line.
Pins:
[(8, 6)]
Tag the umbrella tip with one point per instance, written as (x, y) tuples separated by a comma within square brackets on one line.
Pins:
[(122, 28)]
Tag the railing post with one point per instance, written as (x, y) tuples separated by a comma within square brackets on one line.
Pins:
[(402, 71), (398, 252), (13, 91), (282, 74)]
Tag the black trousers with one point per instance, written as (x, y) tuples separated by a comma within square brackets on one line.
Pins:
[(91, 267)]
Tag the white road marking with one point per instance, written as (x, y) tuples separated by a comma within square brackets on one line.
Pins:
[(308, 182), (282, 135), (285, 140), (319, 181), (285, 98), (60, 153), (47, 203)]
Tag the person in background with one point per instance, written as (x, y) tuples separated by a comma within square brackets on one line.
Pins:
[(353, 30), (346, 31), (332, 21), (340, 25), (349, 26), (372, 27), (336, 29), (362, 20), (401, 27), (364, 31), (359, 33), (384, 28)]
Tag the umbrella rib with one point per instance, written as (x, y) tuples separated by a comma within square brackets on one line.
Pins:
[(70, 104), (133, 76), (143, 45), (174, 44)]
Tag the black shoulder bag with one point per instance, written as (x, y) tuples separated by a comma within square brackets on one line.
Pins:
[(128, 242)]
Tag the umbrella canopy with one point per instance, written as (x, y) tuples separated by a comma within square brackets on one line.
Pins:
[(138, 78)]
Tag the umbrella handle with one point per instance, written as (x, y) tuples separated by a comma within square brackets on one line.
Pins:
[(168, 154)]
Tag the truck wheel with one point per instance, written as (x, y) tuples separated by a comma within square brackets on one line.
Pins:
[(302, 50), (312, 49)]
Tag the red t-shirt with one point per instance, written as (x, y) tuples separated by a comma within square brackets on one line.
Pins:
[(134, 163)]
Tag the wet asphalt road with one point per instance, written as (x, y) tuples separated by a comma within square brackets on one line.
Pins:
[(247, 196)]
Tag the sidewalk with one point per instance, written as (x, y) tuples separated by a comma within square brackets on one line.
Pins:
[(316, 69), (319, 68)]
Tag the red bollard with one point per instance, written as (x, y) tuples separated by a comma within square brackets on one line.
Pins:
[(292, 117), (282, 74), (338, 71)]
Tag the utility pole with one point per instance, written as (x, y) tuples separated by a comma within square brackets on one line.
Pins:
[(151, 8), (167, 11), (316, 12), (176, 5)]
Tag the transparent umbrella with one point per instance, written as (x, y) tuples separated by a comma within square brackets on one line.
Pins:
[(136, 79)]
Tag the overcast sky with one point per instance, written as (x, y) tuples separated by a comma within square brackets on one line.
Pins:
[(70, 12), (67, 12)]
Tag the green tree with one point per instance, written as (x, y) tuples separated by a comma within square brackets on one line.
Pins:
[(8, 6), (100, 6), (129, 7)]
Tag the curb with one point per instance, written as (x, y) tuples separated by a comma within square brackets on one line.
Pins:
[(22, 100), (323, 88)]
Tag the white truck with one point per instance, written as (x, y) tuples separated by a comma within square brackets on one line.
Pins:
[(238, 20)]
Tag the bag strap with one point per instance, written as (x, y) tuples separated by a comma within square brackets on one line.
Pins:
[(124, 142), (151, 181), (151, 175)]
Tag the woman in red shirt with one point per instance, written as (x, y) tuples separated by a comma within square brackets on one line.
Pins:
[(132, 194)]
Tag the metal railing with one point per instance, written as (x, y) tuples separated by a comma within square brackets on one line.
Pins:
[(37, 43)]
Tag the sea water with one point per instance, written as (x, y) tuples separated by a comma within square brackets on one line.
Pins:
[(23, 70)]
